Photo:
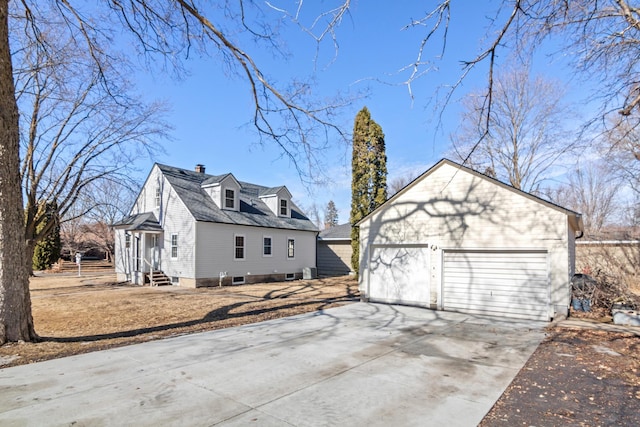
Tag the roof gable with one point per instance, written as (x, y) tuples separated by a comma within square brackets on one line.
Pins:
[(281, 191), (574, 216)]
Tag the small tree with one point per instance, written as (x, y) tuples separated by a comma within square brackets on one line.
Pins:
[(330, 215), (47, 250), (369, 175)]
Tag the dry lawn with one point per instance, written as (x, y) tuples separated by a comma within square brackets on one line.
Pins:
[(75, 315)]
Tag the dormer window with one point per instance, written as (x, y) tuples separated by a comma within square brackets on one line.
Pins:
[(229, 199), (284, 208)]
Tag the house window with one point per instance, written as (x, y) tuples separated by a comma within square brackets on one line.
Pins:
[(157, 197), (283, 207), (127, 241), (291, 244), (237, 280), (229, 199), (239, 247), (174, 246), (290, 276), (266, 246)]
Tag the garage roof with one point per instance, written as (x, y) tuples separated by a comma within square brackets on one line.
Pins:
[(574, 217)]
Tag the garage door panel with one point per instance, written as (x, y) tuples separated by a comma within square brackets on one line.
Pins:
[(399, 274), (497, 280), (531, 313), (505, 283), (495, 294), (533, 286)]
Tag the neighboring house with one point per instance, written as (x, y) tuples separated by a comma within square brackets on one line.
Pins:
[(203, 230), (334, 251), (455, 239)]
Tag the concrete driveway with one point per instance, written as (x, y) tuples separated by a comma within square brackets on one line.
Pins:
[(360, 364)]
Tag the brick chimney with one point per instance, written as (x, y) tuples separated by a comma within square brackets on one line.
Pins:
[(200, 168)]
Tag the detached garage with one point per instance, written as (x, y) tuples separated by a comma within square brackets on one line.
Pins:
[(455, 239)]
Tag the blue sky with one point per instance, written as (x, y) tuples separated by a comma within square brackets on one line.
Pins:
[(209, 109)]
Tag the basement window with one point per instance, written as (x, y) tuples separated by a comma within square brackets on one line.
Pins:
[(290, 276), (237, 280), (175, 280)]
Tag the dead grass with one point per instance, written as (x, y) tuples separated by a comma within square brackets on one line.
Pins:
[(75, 315)]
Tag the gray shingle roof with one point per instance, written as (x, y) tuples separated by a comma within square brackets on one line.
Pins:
[(253, 211), (140, 222), (339, 232)]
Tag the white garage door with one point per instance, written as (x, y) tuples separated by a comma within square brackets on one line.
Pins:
[(510, 283), (399, 274)]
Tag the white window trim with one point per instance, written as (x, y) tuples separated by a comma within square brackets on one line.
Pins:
[(294, 248), (244, 247), (224, 198), (171, 245), (280, 207), (263, 254)]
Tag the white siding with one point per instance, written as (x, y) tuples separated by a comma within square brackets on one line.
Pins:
[(174, 217), (122, 257), (453, 209), (215, 251)]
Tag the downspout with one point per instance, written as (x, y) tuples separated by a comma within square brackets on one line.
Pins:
[(578, 218), (317, 235)]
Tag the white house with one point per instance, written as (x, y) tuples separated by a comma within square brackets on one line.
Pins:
[(455, 239), (196, 229)]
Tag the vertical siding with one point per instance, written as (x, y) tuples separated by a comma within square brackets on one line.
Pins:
[(215, 251), (451, 209)]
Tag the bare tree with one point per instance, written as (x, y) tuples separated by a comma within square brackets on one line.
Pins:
[(16, 321), (398, 183), (593, 191), (106, 202), (287, 114), (74, 131), (603, 38), (620, 145), (526, 138), (312, 211)]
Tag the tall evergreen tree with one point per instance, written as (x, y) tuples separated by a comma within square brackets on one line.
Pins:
[(369, 175), (331, 215)]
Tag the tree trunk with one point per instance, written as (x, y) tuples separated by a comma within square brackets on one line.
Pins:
[(16, 321)]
